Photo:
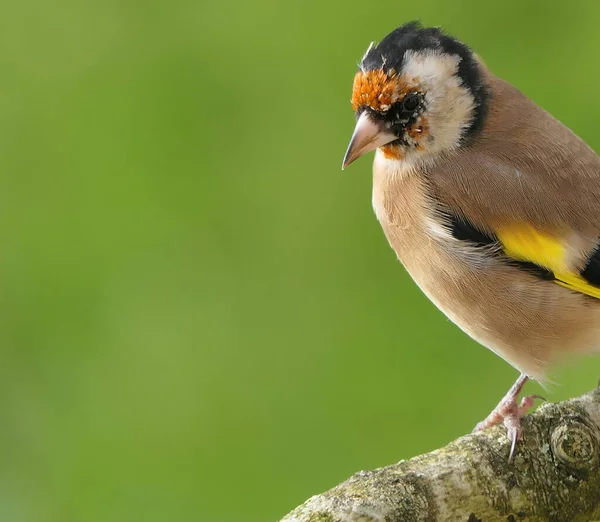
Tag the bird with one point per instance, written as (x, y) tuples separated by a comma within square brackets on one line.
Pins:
[(491, 204)]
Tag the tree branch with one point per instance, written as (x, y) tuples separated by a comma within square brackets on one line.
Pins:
[(554, 477)]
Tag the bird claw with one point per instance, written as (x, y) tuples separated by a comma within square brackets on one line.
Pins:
[(528, 402), (510, 413), (513, 435), (512, 423)]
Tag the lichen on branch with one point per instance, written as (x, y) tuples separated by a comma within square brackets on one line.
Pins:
[(554, 477)]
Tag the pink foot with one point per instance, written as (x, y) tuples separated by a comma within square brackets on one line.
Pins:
[(510, 413)]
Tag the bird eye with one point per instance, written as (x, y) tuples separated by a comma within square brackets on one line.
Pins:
[(410, 102)]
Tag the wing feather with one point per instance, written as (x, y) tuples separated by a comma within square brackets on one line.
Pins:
[(537, 252)]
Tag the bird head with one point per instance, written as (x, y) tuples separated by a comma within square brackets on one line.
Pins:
[(417, 93)]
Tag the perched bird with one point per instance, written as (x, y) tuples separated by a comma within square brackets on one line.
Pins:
[(491, 204)]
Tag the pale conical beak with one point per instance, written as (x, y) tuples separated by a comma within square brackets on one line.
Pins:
[(368, 135)]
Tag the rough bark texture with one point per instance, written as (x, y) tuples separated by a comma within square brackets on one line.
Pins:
[(554, 477)]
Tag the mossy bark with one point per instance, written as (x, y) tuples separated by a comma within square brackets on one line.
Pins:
[(554, 477)]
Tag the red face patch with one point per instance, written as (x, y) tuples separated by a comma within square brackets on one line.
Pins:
[(393, 152), (379, 90), (375, 89)]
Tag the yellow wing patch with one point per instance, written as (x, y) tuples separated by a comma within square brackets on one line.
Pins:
[(578, 283), (526, 243)]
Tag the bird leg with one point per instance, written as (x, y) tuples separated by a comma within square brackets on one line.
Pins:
[(510, 412)]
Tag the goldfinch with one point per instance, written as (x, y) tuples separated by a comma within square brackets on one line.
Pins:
[(490, 203)]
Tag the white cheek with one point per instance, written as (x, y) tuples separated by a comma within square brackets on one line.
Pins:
[(450, 105)]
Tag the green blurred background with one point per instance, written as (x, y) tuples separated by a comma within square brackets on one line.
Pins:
[(200, 317)]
